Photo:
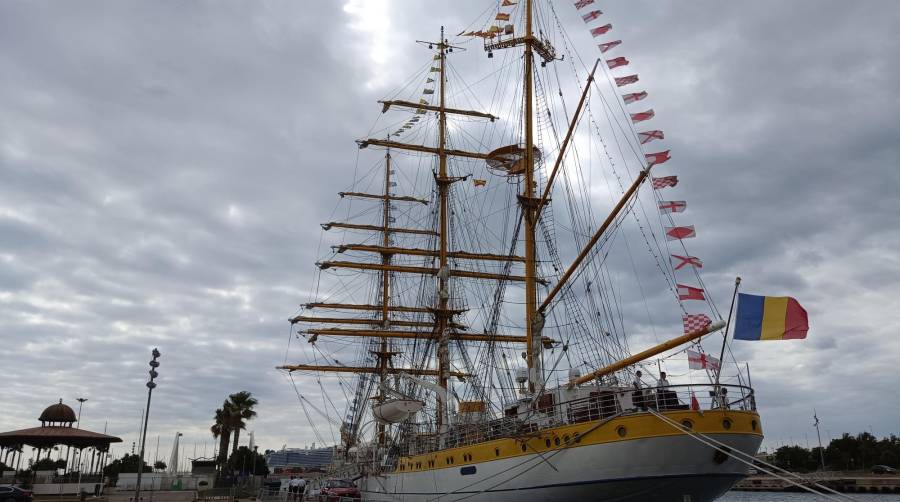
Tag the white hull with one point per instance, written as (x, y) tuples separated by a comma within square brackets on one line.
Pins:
[(667, 468)]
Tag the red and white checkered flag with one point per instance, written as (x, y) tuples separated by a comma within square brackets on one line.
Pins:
[(695, 322), (580, 4), (665, 181)]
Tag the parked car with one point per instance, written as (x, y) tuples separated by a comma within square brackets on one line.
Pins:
[(338, 490), (9, 493), (883, 469)]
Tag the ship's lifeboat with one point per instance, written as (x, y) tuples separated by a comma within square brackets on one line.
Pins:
[(397, 410)]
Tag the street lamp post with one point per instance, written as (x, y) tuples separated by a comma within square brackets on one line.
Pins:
[(150, 386)]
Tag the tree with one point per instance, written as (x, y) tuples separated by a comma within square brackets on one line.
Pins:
[(48, 464), (128, 463), (242, 404), (159, 465), (247, 462), (221, 429)]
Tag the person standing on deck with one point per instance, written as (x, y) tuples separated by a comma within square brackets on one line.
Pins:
[(638, 395)]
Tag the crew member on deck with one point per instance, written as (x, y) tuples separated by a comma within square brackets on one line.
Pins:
[(664, 396), (638, 395)]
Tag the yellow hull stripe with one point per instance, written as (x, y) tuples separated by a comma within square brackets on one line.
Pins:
[(626, 428)]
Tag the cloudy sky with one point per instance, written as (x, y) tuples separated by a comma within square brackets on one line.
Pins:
[(163, 166)]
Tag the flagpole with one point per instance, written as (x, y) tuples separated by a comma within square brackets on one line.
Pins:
[(737, 284)]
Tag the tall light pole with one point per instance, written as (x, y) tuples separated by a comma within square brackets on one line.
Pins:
[(150, 386), (81, 401)]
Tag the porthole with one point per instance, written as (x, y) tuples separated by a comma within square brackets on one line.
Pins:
[(621, 431), (547, 442), (556, 441), (524, 447), (753, 424), (566, 438), (576, 438), (726, 424), (496, 452), (687, 424)]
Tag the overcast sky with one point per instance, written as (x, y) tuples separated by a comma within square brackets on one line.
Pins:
[(163, 167)]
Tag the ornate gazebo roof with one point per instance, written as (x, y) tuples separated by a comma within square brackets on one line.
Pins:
[(56, 429)]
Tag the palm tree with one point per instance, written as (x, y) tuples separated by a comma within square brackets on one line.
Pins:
[(241, 406), (221, 429)]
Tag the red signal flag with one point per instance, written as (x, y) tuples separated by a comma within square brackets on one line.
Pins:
[(634, 96), (600, 30), (694, 322), (608, 45), (623, 81), (684, 261), (648, 136), (678, 233), (590, 16), (689, 293), (617, 62), (642, 116), (665, 181), (657, 158), (672, 206)]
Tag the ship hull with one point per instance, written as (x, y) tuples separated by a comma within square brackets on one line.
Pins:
[(665, 468)]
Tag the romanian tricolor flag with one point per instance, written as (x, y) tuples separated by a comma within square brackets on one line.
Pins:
[(769, 318)]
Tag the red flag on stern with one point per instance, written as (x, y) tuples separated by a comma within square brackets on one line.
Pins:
[(648, 136), (689, 293), (642, 116), (657, 158), (634, 96), (665, 181), (678, 233), (694, 322), (608, 45), (600, 30)]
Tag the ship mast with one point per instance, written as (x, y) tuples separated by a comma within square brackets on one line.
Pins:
[(529, 213), (383, 354), (442, 313)]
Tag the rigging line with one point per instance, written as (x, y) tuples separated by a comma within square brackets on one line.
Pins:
[(305, 412)]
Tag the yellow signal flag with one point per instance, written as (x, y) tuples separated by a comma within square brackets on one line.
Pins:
[(423, 101), (437, 57), (495, 29), (479, 183), (502, 16)]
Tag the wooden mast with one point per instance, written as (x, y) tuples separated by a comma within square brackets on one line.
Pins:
[(383, 353), (443, 183), (529, 211)]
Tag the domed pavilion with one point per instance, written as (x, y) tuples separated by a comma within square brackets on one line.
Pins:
[(57, 429)]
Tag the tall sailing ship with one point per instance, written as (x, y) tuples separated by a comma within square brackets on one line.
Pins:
[(474, 308)]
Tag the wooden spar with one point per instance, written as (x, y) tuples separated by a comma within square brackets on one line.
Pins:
[(376, 228), (370, 322), (596, 237), (652, 351), (419, 106), (460, 255), (421, 335), (565, 143), (420, 270), (363, 143), (425, 335), (360, 306), (443, 183), (364, 369), (397, 198), (383, 353)]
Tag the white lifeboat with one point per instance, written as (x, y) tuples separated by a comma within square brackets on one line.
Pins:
[(396, 410)]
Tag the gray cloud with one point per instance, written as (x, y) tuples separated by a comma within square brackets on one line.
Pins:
[(163, 167)]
